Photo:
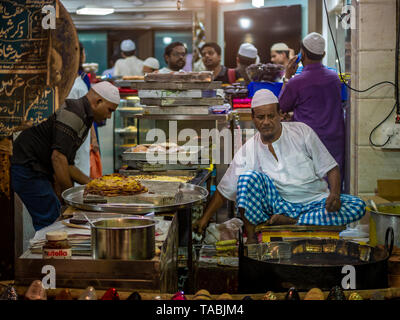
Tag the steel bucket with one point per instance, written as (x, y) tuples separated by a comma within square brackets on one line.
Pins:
[(131, 238), (388, 215)]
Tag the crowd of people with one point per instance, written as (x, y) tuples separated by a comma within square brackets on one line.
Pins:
[(289, 172)]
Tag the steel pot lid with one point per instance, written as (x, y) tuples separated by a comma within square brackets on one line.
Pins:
[(124, 223)]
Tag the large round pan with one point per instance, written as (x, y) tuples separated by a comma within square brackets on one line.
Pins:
[(310, 263), (163, 196)]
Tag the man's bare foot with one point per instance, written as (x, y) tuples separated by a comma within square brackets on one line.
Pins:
[(280, 219)]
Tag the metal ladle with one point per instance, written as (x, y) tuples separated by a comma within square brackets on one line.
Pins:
[(373, 205), (88, 220)]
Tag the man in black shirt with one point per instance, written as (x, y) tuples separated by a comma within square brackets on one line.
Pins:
[(45, 153), (211, 55)]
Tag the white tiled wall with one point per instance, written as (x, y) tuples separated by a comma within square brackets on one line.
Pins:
[(370, 113), (373, 46)]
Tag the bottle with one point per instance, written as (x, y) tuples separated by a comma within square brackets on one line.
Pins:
[(57, 246)]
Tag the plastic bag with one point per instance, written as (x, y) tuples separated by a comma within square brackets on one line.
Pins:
[(96, 168), (230, 229), (212, 234), (225, 231)]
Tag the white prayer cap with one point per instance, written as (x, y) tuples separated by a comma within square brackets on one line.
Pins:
[(314, 43), (128, 45), (108, 91), (263, 97), (280, 47), (248, 50), (152, 63)]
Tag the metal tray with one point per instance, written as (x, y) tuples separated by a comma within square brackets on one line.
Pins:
[(189, 154), (163, 196), (148, 167)]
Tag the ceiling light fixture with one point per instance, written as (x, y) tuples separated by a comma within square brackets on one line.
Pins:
[(257, 3), (244, 23), (167, 40), (94, 11)]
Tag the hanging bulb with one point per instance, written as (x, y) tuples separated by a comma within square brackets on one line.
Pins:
[(178, 4)]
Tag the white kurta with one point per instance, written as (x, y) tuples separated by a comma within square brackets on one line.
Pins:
[(165, 70), (303, 161), (131, 66), (82, 157)]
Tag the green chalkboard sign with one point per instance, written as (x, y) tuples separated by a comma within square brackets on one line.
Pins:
[(25, 93)]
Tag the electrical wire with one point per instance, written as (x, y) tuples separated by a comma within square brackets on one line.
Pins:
[(396, 84), (339, 64)]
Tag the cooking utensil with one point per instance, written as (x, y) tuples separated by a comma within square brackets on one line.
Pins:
[(131, 238), (311, 263), (88, 220), (373, 205), (159, 198), (381, 217), (72, 225), (94, 199)]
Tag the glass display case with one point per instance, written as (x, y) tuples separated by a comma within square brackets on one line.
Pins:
[(125, 126)]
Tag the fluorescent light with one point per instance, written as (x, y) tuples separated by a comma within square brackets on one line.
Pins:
[(226, 1), (94, 11), (167, 40), (244, 23), (257, 3)]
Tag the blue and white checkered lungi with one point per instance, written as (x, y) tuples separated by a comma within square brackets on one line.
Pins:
[(258, 196)]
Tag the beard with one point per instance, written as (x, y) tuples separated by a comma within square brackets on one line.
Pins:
[(178, 65)]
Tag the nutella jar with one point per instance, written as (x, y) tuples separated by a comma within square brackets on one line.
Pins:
[(57, 246)]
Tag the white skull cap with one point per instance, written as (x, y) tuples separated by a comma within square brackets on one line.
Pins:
[(248, 50), (107, 91), (280, 47), (263, 97), (314, 43), (128, 45), (152, 63)]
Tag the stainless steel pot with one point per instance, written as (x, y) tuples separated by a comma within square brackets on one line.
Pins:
[(131, 238), (388, 215)]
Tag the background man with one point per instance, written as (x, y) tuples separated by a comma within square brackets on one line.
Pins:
[(211, 56), (129, 65), (246, 56), (150, 65), (314, 96), (280, 54), (175, 57)]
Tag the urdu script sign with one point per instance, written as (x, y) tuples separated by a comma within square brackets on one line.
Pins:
[(25, 45)]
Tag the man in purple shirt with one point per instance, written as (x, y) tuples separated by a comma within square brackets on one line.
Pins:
[(314, 96)]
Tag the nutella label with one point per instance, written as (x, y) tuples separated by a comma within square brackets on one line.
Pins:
[(57, 253)]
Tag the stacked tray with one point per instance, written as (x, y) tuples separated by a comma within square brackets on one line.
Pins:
[(188, 154)]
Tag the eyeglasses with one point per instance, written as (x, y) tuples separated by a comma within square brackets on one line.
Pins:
[(177, 54)]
